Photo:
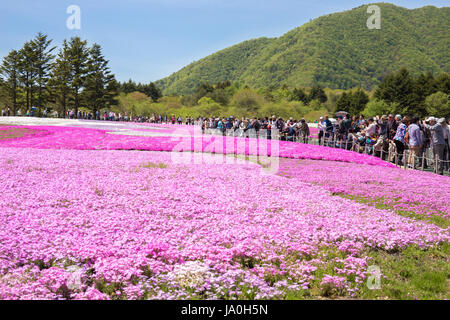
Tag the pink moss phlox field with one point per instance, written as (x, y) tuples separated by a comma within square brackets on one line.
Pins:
[(182, 139), (404, 190), (86, 224)]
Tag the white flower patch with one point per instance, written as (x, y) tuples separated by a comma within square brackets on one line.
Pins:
[(191, 274)]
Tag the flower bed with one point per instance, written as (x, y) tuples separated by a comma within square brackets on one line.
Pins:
[(409, 191), (80, 224), (182, 139)]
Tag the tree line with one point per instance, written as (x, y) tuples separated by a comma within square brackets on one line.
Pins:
[(37, 77), (78, 76), (150, 90), (398, 93), (402, 93)]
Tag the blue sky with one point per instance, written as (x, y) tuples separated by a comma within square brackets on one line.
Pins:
[(147, 40)]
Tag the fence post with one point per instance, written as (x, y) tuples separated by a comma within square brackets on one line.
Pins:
[(404, 160), (436, 165), (423, 161)]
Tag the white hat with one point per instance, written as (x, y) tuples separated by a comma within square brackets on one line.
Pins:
[(441, 120), (431, 119)]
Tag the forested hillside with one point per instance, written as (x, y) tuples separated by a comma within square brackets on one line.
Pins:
[(336, 51)]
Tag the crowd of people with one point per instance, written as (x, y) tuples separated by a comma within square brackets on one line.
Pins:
[(290, 130), (387, 137), (113, 116)]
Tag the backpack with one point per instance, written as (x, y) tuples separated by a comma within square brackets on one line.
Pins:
[(407, 136)]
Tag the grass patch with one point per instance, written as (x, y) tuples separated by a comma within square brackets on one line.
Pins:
[(151, 165), (412, 274), (379, 204), (14, 133)]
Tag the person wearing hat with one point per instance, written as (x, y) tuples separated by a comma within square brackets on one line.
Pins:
[(437, 141), (382, 123)]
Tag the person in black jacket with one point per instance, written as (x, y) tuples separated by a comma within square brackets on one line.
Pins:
[(390, 131), (328, 130)]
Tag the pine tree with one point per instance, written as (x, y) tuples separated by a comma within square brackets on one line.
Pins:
[(42, 66), (352, 102), (359, 100), (61, 77), (398, 88), (101, 87), (128, 87), (443, 83), (28, 72), (344, 103), (153, 92), (424, 86), (317, 93), (299, 95), (78, 57), (10, 69)]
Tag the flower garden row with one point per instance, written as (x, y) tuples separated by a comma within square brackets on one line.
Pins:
[(408, 191), (181, 139), (85, 224)]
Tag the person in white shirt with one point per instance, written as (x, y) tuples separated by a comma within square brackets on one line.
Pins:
[(322, 127), (371, 128)]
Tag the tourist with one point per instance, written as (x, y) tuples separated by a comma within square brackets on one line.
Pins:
[(399, 138), (391, 130), (371, 129), (328, 129), (446, 130), (415, 142), (322, 127), (305, 132), (438, 142)]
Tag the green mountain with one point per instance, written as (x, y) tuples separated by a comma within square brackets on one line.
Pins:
[(336, 51)]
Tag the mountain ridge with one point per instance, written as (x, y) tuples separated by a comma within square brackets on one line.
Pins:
[(336, 50)]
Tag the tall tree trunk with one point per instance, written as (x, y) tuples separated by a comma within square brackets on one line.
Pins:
[(14, 99), (64, 105), (31, 98), (40, 99), (28, 96), (76, 102)]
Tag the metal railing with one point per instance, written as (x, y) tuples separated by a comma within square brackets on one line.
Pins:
[(403, 160)]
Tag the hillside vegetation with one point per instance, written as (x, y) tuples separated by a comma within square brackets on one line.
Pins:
[(337, 51)]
